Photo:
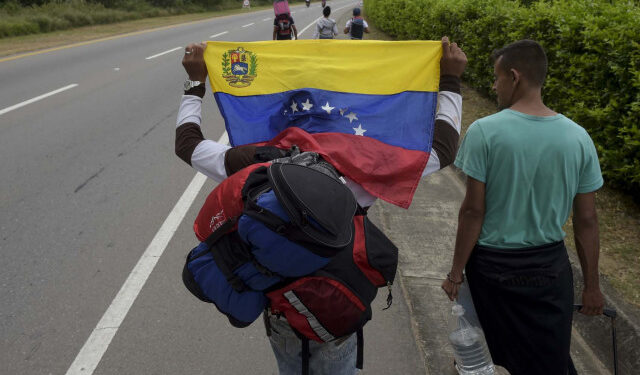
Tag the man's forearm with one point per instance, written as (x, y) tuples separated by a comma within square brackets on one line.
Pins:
[(188, 133), (587, 239), (469, 227), (206, 156), (446, 132)]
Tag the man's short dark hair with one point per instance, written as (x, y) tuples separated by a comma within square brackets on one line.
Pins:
[(356, 12), (326, 11), (525, 56)]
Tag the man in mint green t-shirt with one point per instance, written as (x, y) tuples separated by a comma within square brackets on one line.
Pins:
[(526, 167)]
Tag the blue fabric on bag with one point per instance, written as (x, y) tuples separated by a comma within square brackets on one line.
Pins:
[(274, 251), (246, 306)]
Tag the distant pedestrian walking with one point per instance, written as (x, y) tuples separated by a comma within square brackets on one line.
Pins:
[(326, 27), (284, 27), (356, 26), (526, 167)]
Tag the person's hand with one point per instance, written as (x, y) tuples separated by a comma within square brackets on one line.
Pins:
[(592, 302), (451, 285), (453, 59), (193, 61)]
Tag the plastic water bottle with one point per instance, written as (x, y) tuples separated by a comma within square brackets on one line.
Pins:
[(465, 299), (469, 345)]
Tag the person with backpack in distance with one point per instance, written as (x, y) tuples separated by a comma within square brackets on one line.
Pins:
[(326, 27), (220, 162), (526, 167), (284, 27), (356, 26)]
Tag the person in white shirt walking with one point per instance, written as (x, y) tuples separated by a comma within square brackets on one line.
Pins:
[(326, 27)]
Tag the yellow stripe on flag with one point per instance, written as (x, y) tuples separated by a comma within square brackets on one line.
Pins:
[(353, 66)]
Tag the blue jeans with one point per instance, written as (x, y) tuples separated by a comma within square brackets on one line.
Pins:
[(332, 358)]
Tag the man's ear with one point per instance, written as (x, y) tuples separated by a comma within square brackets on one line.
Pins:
[(515, 76)]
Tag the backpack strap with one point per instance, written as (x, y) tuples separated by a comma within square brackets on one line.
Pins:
[(305, 356), (267, 322), (220, 231), (213, 238), (234, 281), (360, 348), (267, 153), (228, 252), (268, 218)]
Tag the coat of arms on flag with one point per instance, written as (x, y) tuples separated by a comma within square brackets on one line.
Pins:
[(239, 67)]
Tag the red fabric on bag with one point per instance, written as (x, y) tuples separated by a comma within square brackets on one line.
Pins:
[(223, 203), (360, 254), (335, 307)]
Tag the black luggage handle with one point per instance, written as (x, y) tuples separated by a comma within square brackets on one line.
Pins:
[(611, 313)]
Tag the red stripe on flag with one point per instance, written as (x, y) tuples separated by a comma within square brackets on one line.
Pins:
[(388, 172)]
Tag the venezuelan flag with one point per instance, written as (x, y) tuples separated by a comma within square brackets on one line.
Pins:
[(367, 106)]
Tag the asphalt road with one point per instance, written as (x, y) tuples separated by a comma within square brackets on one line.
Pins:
[(91, 203)]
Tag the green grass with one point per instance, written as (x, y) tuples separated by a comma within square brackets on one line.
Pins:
[(52, 16), (34, 42)]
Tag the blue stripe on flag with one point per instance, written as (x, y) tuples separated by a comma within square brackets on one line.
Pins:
[(403, 120)]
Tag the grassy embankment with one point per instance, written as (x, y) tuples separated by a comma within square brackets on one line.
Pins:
[(34, 42)]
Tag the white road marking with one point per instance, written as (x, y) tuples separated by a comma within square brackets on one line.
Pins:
[(218, 34), (308, 26), (249, 24), (266, 19), (96, 345), (33, 100), (162, 53)]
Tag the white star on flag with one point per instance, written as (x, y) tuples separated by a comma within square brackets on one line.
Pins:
[(342, 111), (294, 106), (306, 106), (327, 108), (359, 130), (351, 116)]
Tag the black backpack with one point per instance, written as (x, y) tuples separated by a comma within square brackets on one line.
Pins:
[(357, 28), (284, 26)]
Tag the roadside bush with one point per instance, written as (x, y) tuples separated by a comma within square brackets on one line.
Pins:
[(17, 27), (593, 48), (47, 23)]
